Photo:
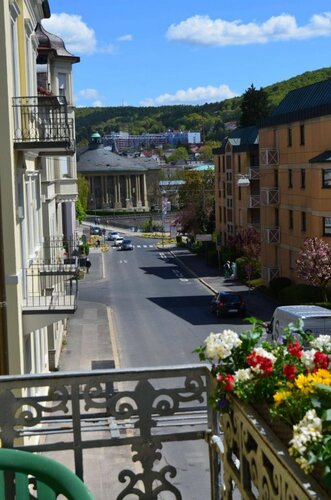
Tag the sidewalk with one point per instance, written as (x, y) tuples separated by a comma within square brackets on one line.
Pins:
[(258, 305)]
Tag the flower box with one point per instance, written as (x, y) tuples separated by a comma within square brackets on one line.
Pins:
[(292, 378), (257, 463)]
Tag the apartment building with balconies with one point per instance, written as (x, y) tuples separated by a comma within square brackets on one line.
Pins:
[(237, 183), (295, 171), (38, 190)]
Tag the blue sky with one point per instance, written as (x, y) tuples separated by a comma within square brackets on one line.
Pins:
[(152, 53)]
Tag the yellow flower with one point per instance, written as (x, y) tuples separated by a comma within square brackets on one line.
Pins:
[(281, 396), (306, 383)]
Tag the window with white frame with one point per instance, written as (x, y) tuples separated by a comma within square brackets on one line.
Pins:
[(326, 178)]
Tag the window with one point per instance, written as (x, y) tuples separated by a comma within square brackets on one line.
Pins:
[(62, 84), (302, 135), (290, 179), (327, 226), (239, 163), (223, 164), (239, 193), (289, 137), (290, 219), (326, 178), (218, 165), (303, 178), (220, 213), (303, 221)]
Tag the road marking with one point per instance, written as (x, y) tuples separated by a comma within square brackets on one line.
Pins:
[(114, 339)]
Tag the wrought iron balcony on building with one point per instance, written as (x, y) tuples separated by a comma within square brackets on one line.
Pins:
[(41, 124), (50, 286)]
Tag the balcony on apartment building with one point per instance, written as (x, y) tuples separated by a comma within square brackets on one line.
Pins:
[(41, 124), (126, 431), (50, 291), (254, 201), (269, 196), (269, 157), (254, 173), (269, 273), (271, 235)]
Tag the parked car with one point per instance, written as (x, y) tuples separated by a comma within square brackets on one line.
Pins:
[(97, 231), (228, 303), (117, 242), (112, 235), (126, 245)]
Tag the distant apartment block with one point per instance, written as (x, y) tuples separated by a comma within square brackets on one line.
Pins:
[(123, 140), (276, 178)]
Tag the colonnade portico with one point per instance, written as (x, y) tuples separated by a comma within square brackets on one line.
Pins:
[(121, 191)]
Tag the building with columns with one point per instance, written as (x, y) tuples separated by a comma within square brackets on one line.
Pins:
[(117, 182)]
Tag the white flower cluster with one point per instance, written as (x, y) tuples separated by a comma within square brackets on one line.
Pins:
[(306, 432), (308, 358), (243, 374), (220, 345), (322, 343)]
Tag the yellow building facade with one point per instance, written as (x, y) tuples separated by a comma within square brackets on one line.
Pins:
[(38, 190), (278, 179)]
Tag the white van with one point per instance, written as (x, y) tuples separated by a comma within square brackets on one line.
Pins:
[(316, 320)]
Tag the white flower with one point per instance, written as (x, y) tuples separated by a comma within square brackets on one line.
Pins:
[(322, 343), (220, 345), (243, 374), (308, 358)]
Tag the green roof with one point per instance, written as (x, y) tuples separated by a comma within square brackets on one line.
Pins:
[(301, 104)]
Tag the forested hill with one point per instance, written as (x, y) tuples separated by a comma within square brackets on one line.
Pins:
[(208, 118)]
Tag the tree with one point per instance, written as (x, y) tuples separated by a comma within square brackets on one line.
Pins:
[(83, 191), (197, 199), (254, 105), (180, 153), (314, 263), (247, 242)]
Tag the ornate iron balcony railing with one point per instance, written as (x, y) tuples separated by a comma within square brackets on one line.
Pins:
[(141, 413), (41, 123)]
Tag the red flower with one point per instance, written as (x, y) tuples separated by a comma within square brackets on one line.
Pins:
[(321, 360), (260, 362), (289, 371), (295, 348), (226, 380)]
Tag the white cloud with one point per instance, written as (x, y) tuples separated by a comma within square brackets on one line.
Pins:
[(125, 38), (91, 98), (202, 30), (88, 94), (97, 104), (194, 96), (77, 36)]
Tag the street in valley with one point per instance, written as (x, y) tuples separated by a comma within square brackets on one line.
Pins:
[(158, 312)]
